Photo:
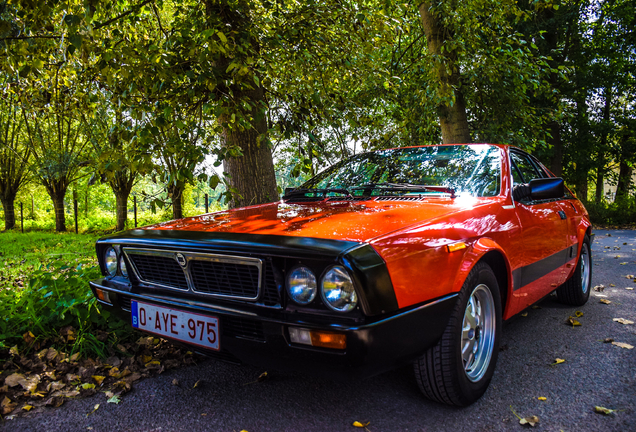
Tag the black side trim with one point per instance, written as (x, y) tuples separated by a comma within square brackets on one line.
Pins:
[(530, 273), (235, 242), (373, 277)]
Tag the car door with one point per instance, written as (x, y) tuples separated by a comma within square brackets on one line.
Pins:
[(542, 246)]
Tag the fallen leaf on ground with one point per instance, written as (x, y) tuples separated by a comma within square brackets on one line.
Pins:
[(98, 379), (95, 408), (28, 337), (14, 351), (608, 340), (529, 420), (572, 322), (578, 314), (175, 382), (361, 425), (603, 410), (55, 402), (629, 288), (7, 405), (623, 321), (196, 384), (604, 301), (536, 307), (525, 314), (623, 263), (51, 354), (262, 377), (612, 285), (114, 399), (630, 276), (69, 393), (558, 361), (542, 398), (87, 386), (14, 379), (623, 345), (27, 407), (599, 288)]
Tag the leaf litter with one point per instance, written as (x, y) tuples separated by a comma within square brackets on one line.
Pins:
[(47, 376), (531, 420)]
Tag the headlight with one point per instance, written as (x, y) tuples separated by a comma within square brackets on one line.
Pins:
[(302, 286), (338, 291), (122, 267), (110, 259)]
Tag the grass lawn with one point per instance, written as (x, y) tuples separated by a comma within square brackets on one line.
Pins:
[(21, 254), (44, 293)]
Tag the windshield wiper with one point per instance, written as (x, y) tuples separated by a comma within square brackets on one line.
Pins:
[(397, 187), (297, 193)]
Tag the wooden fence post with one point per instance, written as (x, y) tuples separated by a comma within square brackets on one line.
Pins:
[(206, 203), (21, 219), (135, 208)]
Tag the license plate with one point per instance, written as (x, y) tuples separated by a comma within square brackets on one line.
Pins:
[(193, 328)]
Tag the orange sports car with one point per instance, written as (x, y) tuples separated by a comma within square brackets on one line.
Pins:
[(409, 255)]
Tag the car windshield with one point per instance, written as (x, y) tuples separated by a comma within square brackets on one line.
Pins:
[(472, 170)]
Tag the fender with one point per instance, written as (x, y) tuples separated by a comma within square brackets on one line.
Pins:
[(473, 254)]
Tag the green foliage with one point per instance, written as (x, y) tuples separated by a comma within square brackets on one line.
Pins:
[(621, 212), (44, 287)]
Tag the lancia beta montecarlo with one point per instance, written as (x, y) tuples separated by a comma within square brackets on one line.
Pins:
[(409, 255)]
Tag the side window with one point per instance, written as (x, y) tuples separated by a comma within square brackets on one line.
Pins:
[(543, 173), (523, 170)]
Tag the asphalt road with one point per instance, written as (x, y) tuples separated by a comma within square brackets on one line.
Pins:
[(594, 373)]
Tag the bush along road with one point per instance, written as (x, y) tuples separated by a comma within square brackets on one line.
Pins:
[(560, 368)]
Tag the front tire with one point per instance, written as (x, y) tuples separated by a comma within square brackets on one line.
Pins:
[(576, 290), (458, 370)]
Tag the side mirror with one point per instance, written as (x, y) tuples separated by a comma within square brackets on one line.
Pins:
[(540, 189)]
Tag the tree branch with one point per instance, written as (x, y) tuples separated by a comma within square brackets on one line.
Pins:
[(122, 15)]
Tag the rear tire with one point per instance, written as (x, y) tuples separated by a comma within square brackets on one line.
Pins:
[(458, 370), (576, 290)]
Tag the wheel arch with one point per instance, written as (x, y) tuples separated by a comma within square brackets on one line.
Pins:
[(490, 252)]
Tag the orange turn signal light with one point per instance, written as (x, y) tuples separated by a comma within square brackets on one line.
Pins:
[(328, 340), (455, 247), (102, 295)]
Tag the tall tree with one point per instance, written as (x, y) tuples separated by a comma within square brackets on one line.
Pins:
[(452, 104), (14, 155)]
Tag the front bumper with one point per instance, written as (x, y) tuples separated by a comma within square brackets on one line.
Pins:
[(261, 338)]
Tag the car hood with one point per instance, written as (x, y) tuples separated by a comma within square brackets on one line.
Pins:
[(354, 221)]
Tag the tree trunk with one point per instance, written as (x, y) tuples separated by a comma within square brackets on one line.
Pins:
[(176, 196), (624, 180), (121, 198), (58, 205), (556, 163), (121, 184), (9, 212), (600, 180), (581, 185), (251, 175), (452, 115), (600, 173)]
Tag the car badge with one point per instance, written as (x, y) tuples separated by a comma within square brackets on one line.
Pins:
[(180, 259)]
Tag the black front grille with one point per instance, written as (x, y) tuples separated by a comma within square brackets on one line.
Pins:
[(124, 302), (270, 295), (222, 278), (159, 269)]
